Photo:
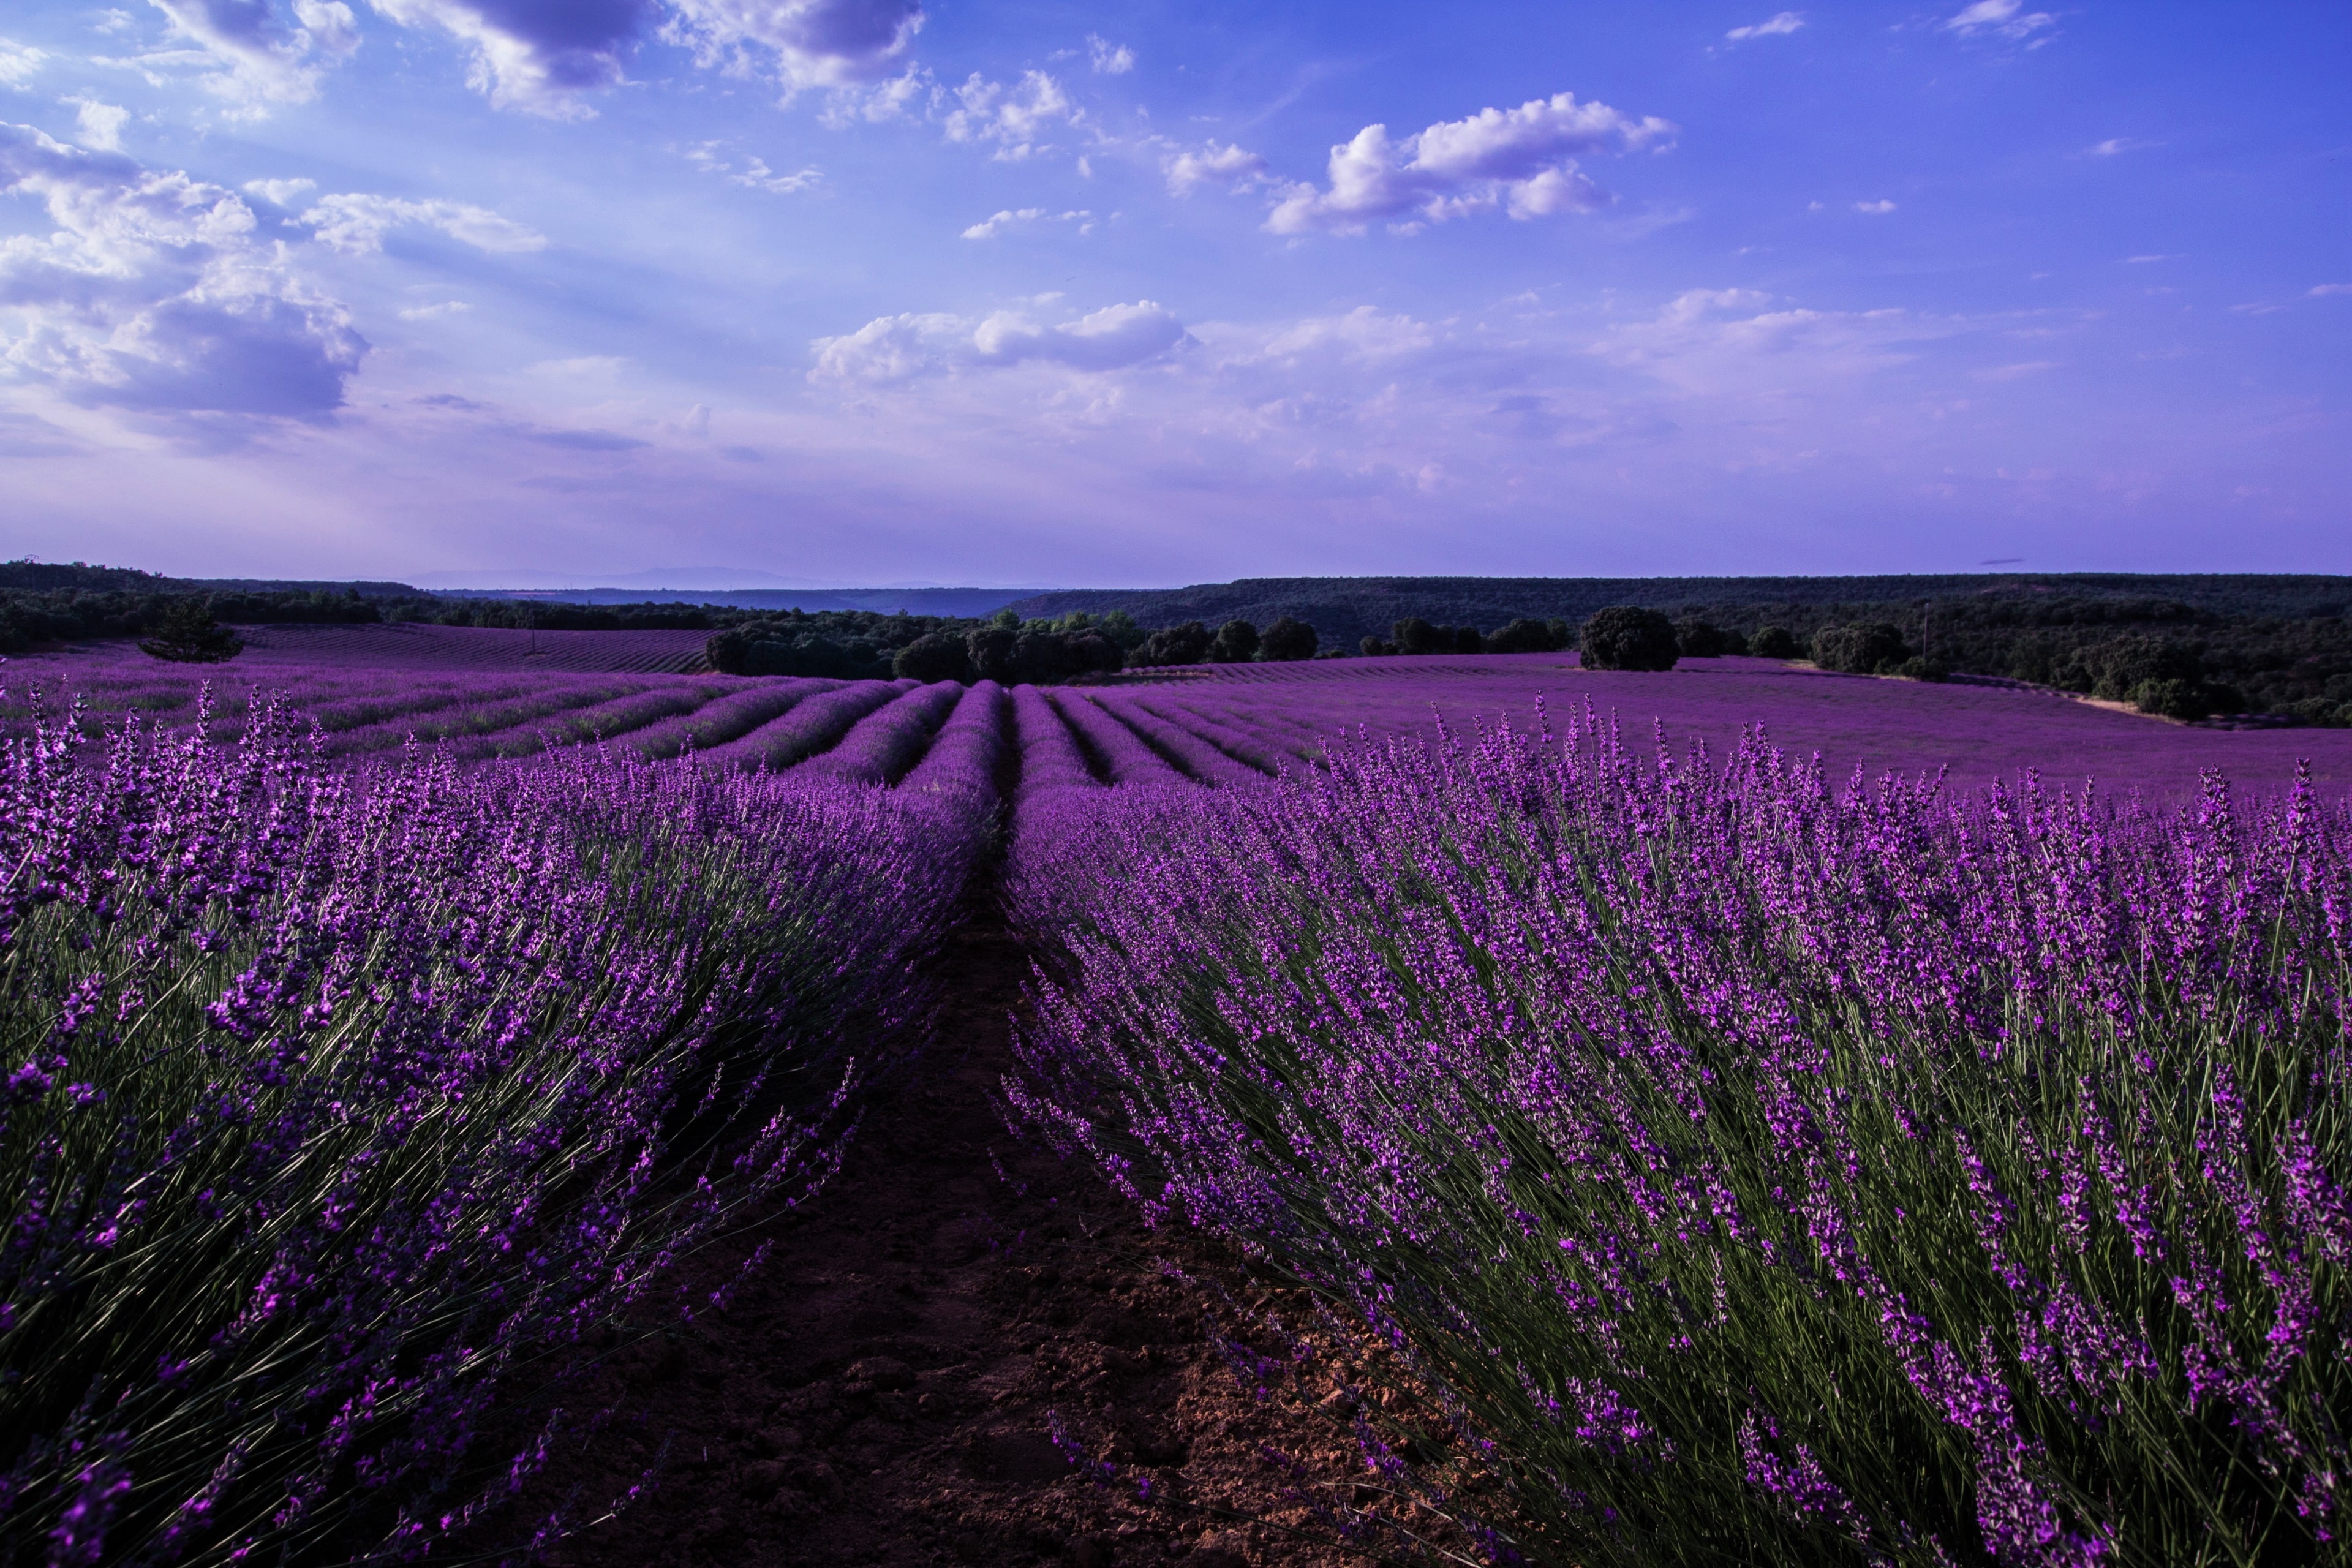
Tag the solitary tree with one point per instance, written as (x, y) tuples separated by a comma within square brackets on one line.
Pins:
[(1774, 642), (187, 634), (1625, 636), (934, 655)]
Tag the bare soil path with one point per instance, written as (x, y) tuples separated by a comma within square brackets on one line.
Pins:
[(886, 1389)]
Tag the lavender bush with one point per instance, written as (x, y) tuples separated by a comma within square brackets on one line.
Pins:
[(811, 726), (1123, 754), (1199, 759), (347, 1116), (881, 747), (1747, 1170)]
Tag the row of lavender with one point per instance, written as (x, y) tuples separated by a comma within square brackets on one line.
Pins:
[(758, 725), (348, 1116), (1735, 1169)]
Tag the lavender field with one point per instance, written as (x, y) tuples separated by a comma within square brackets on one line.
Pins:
[(1708, 1134)]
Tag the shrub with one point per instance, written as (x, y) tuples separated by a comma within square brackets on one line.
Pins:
[(1773, 642), (2119, 667), (1466, 639), (1413, 635), (2173, 699), (1186, 644), (1919, 667), (1236, 643), (1373, 647), (989, 648), (1626, 637), (1040, 658), (1287, 640), (187, 634), (1867, 649), (1522, 636), (1093, 651), (935, 656), (1698, 639)]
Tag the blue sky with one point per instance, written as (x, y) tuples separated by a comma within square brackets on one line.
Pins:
[(876, 291)]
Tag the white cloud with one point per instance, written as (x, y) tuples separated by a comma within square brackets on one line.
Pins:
[(1786, 21), (2143, 260), (897, 349), (988, 228), (534, 57), (152, 294), (1236, 168), (1108, 58), (2322, 290), (2006, 18), (356, 225), (18, 62), (279, 193), (1880, 205), (100, 123), (1520, 159), (807, 43), (1014, 117), (2114, 145), (252, 56), (431, 312)]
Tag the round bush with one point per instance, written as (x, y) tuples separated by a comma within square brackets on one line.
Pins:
[(1625, 636), (1287, 640), (1774, 642), (1860, 650), (1236, 643), (2172, 698)]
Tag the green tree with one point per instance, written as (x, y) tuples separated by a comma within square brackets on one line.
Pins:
[(187, 634), (1626, 637)]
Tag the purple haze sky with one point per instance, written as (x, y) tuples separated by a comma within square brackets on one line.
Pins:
[(866, 291)]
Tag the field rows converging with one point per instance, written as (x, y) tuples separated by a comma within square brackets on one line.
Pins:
[(1652, 1146)]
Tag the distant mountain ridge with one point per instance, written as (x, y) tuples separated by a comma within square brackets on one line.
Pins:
[(1344, 609)]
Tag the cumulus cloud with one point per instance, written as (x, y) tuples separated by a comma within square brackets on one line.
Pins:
[(1107, 57), (807, 43), (18, 62), (253, 55), (152, 292), (1016, 116), (988, 228), (279, 193), (1521, 159), (100, 125), (2002, 19), (430, 312), (1236, 168), (1880, 205), (356, 225), (897, 349), (1786, 21)]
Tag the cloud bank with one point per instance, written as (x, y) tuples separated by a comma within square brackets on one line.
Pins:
[(893, 350)]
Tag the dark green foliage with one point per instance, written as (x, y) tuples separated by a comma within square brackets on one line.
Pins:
[(989, 648), (1523, 636), (1373, 647), (1039, 658), (934, 655), (2173, 699), (1919, 667), (1865, 649), (1468, 640), (2121, 666), (1285, 640), (1626, 637), (1186, 644), (187, 634), (1236, 643), (799, 648), (1773, 642), (1120, 628), (1413, 635), (1699, 640)]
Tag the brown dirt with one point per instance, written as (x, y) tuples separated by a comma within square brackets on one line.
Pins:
[(884, 1389)]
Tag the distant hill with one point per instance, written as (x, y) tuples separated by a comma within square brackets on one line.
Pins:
[(959, 601), (1344, 609)]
